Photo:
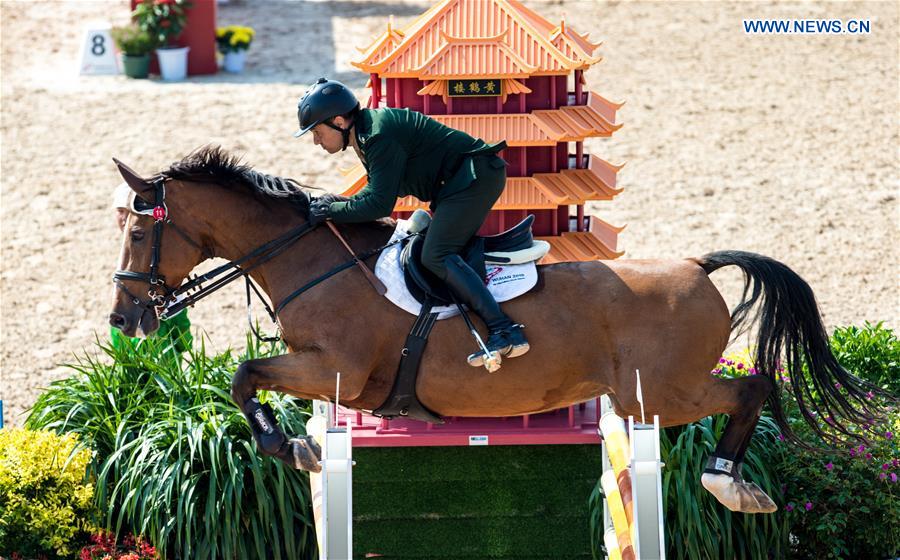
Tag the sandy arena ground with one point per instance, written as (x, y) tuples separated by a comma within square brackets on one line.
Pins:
[(783, 145)]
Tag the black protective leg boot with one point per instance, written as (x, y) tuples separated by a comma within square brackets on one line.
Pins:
[(504, 336)]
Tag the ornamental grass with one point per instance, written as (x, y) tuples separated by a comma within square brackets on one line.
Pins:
[(173, 456)]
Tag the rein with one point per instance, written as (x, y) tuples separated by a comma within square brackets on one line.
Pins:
[(167, 302)]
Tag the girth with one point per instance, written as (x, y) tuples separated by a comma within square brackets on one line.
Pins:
[(402, 401)]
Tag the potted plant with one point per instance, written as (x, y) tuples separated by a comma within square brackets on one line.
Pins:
[(164, 20), (135, 46), (233, 42)]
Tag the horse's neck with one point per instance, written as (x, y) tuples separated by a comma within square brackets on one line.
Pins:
[(235, 224), (310, 256)]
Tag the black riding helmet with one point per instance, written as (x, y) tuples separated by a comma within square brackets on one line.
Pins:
[(324, 101)]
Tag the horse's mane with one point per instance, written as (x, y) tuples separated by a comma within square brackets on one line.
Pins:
[(214, 164)]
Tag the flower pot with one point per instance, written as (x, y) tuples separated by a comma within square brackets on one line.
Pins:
[(234, 61), (173, 62), (136, 66)]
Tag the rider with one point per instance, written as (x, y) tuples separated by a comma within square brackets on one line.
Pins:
[(408, 153)]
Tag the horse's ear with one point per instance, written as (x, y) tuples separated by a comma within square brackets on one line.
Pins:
[(137, 183)]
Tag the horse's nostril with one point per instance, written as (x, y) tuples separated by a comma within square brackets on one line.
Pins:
[(116, 320)]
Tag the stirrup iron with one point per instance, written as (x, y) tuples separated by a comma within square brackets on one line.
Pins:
[(490, 360)]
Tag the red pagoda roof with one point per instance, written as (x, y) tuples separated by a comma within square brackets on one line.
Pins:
[(547, 48)]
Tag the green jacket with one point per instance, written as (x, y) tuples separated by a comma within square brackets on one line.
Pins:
[(408, 153)]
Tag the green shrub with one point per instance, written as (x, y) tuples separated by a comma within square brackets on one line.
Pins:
[(840, 504), (871, 352), (132, 41), (175, 457), (45, 502), (845, 503)]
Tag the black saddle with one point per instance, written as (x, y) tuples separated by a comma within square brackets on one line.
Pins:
[(423, 284)]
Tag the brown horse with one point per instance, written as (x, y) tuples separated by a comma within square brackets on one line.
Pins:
[(591, 324)]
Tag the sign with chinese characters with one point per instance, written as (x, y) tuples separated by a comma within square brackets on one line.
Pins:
[(474, 88)]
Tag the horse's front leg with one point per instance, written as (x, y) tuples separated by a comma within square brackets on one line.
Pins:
[(301, 374)]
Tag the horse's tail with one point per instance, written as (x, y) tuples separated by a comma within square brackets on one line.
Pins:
[(790, 325)]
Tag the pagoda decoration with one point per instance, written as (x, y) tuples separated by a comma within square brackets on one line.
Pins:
[(499, 71)]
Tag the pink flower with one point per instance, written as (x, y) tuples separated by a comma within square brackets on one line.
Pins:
[(896, 462), (829, 466), (753, 371), (740, 365), (837, 385), (868, 455), (721, 360), (808, 506), (780, 437), (882, 476), (885, 467), (852, 452), (889, 435), (870, 395), (893, 477), (729, 362), (789, 507)]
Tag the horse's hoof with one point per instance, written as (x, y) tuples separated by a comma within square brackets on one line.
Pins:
[(306, 454), (766, 504), (741, 497)]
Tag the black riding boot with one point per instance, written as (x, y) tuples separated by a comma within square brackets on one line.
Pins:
[(504, 336)]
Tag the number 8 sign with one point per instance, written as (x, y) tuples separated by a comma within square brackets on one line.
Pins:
[(98, 55)]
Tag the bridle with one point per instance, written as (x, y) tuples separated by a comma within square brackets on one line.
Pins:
[(167, 301), (156, 281)]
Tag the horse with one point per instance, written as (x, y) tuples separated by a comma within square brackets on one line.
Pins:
[(591, 324)]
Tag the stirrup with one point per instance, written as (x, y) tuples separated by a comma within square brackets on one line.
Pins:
[(492, 364), (511, 349)]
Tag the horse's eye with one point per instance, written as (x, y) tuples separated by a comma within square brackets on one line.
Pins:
[(137, 234)]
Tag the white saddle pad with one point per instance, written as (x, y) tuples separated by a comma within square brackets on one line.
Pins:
[(504, 282)]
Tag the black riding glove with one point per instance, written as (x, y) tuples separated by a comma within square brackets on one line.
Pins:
[(319, 207), (318, 211)]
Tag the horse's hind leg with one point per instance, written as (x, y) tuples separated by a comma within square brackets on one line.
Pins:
[(301, 452), (722, 476)]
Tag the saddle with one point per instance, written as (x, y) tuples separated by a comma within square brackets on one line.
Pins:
[(514, 246)]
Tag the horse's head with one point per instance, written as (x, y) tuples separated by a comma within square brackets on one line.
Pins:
[(151, 264)]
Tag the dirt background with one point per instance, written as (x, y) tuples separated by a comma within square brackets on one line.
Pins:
[(782, 145)]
